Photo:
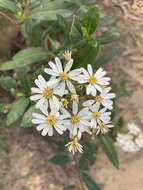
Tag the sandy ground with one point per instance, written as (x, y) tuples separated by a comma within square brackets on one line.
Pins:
[(25, 165)]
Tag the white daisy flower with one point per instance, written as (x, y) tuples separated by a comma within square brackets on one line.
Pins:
[(47, 122), (45, 93), (134, 129), (74, 146), (95, 81), (105, 98), (77, 122), (98, 115), (64, 76), (103, 127)]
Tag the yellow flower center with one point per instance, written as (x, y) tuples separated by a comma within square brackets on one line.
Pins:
[(101, 125), (98, 99), (50, 120), (75, 119), (47, 93), (92, 79), (96, 114), (64, 76)]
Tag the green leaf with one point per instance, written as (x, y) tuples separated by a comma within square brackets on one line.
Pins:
[(49, 15), (90, 21), (60, 159), (27, 117), (88, 49), (25, 57), (8, 5), (109, 150), (108, 36), (63, 24), (70, 187), (89, 155), (7, 83), (25, 82), (17, 110), (106, 20), (106, 57), (91, 185)]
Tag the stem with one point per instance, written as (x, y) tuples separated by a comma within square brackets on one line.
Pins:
[(80, 180)]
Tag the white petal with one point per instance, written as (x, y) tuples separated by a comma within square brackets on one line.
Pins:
[(54, 103), (85, 73), (96, 107), (38, 83), (83, 112), (38, 116), (40, 127), (53, 66), (71, 87), (68, 65), (90, 70), (41, 102), (74, 107), (60, 89), (58, 130), (75, 72), (36, 90), (88, 89), (50, 133), (35, 97), (42, 81), (98, 87), (51, 72), (100, 73), (45, 131), (37, 121), (88, 103), (58, 64)]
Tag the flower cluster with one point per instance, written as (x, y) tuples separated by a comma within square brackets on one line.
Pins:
[(132, 141), (76, 100)]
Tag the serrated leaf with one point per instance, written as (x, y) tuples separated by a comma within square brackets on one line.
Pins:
[(8, 5), (25, 57), (17, 110), (91, 19), (27, 117), (105, 57), (89, 182), (7, 83), (109, 150), (60, 159)]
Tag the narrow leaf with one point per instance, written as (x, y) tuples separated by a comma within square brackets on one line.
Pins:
[(17, 110), (8, 5), (89, 182), (25, 57), (88, 49), (7, 83), (27, 117), (90, 21), (106, 57), (60, 159), (70, 187), (109, 150)]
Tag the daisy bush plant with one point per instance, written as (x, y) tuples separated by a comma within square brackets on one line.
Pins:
[(80, 115), (56, 81)]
